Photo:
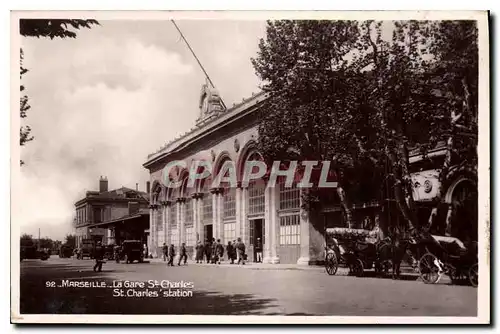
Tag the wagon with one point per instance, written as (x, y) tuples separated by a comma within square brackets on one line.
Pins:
[(449, 256), (348, 248)]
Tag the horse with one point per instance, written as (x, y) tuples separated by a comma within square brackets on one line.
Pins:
[(394, 248)]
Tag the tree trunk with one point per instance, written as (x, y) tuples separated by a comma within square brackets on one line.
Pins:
[(345, 205), (442, 178), (402, 179)]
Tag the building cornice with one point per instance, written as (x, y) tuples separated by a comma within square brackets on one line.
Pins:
[(243, 109)]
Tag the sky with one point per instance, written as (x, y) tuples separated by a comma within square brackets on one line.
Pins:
[(102, 102)]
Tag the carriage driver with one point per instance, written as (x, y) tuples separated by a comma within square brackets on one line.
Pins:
[(376, 235)]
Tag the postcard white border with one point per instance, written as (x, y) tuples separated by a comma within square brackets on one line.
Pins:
[(483, 167)]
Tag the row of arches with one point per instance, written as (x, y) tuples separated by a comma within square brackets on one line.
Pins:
[(161, 193)]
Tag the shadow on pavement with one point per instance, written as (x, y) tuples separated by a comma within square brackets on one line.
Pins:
[(38, 298)]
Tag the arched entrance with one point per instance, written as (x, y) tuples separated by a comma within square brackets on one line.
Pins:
[(461, 221)]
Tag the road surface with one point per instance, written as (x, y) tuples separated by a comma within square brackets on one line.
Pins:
[(228, 290)]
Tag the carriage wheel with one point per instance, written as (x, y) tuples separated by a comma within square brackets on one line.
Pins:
[(474, 275), (331, 264), (429, 272), (357, 268)]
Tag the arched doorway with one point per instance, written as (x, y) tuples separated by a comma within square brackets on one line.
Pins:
[(462, 221)]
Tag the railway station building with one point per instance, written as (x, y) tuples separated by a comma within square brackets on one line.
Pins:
[(289, 234)]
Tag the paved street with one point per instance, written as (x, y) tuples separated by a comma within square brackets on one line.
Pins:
[(229, 290)]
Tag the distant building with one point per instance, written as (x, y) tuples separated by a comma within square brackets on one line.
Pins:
[(110, 216)]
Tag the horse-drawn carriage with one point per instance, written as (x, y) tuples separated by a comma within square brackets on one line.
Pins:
[(449, 256), (354, 249)]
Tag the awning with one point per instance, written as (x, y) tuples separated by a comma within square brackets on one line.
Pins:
[(121, 219)]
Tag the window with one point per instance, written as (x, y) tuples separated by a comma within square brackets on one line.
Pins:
[(190, 238), (290, 230), (97, 215), (229, 232), (188, 212), (174, 237), (256, 197), (229, 200), (172, 225), (207, 210), (159, 219), (172, 217), (289, 197)]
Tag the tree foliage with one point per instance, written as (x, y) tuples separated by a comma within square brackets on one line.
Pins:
[(70, 240), (50, 28), (26, 240), (53, 28), (341, 91)]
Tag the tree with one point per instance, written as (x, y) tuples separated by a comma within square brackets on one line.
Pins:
[(70, 240), (46, 243), (26, 240), (339, 91), (44, 28), (302, 65), (456, 73)]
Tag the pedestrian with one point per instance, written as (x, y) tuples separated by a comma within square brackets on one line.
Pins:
[(230, 251), (258, 250), (240, 249), (220, 251), (99, 256), (208, 251), (165, 251), (171, 255), (235, 254), (214, 252), (117, 253), (183, 254), (199, 252)]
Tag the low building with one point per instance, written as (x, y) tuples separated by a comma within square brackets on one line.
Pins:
[(275, 215), (112, 215)]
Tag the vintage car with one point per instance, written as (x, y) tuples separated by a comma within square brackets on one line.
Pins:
[(31, 252), (65, 251), (131, 250)]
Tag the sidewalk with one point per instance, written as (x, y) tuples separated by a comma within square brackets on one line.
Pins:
[(248, 265), (266, 266)]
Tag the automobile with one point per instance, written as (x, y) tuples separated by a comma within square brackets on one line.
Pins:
[(65, 251), (86, 249), (109, 252), (131, 250), (32, 252)]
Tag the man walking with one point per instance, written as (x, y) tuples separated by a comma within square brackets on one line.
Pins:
[(199, 252), (165, 251), (171, 255), (183, 254), (99, 256), (214, 252), (236, 255), (240, 248), (208, 251), (258, 250), (220, 251), (230, 252)]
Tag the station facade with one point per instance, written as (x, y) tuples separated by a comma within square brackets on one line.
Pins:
[(289, 233)]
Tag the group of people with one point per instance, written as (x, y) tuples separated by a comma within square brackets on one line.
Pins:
[(169, 254), (212, 251)]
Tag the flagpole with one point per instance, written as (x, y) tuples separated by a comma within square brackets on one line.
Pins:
[(195, 57)]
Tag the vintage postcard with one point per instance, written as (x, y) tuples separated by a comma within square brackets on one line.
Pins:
[(250, 167)]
